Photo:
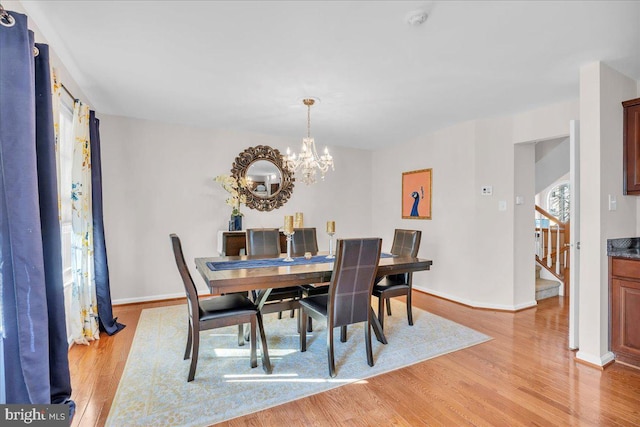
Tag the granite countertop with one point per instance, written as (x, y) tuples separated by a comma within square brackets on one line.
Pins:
[(628, 247)]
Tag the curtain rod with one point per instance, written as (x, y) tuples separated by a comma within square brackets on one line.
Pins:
[(8, 21), (68, 92)]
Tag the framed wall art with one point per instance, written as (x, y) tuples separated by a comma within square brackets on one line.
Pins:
[(416, 194)]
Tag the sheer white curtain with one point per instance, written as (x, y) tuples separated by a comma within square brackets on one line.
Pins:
[(84, 309)]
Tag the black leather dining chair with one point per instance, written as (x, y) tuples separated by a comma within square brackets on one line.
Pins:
[(305, 240), (405, 242), (265, 242), (217, 312), (349, 297)]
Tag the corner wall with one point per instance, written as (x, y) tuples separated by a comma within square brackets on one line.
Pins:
[(481, 255), (602, 91)]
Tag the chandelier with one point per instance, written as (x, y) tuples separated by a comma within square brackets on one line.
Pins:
[(308, 162)]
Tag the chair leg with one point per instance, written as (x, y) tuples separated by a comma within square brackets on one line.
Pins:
[(292, 314), (332, 364), (381, 311), (310, 325), (343, 333), (252, 342), (266, 363), (187, 351), (388, 306), (194, 353), (367, 339), (303, 330), (241, 334), (409, 311)]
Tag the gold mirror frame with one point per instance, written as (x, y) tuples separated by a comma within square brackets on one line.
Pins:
[(239, 170)]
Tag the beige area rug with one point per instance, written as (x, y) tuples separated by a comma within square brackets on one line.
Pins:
[(154, 391)]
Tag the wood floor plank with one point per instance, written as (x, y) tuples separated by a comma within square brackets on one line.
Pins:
[(525, 375)]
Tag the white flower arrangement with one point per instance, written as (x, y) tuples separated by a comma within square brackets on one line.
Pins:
[(231, 186)]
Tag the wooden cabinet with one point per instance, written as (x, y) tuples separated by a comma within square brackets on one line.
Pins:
[(631, 137), (624, 309)]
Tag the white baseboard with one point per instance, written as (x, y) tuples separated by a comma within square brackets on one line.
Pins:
[(154, 297), (476, 304), (603, 360)]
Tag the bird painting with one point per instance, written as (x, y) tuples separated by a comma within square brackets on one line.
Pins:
[(416, 194), (416, 200)]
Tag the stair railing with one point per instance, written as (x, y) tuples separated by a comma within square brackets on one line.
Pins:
[(552, 243)]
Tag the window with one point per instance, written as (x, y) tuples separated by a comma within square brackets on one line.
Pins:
[(66, 161), (558, 201)]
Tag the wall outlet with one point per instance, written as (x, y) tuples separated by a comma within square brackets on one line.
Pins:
[(486, 190)]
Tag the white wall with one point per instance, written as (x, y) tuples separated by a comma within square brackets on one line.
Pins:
[(524, 218), (158, 179), (553, 165), (445, 238), (602, 91), (482, 256)]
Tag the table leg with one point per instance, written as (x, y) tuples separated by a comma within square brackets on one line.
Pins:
[(261, 297), (377, 327)]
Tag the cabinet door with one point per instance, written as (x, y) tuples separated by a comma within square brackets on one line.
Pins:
[(632, 147), (625, 320)]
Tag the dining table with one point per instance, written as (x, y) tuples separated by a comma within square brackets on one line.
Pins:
[(229, 274)]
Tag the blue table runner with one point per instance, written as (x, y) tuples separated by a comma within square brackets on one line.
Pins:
[(272, 262)]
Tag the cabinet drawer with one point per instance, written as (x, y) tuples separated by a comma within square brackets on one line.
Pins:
[(625, 268)]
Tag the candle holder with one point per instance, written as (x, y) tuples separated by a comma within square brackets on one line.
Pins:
[(331, 254), (289, 235)]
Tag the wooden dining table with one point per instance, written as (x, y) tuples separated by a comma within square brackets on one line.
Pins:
[(266, 278)]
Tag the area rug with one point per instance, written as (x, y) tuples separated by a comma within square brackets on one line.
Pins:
[(154, 391)]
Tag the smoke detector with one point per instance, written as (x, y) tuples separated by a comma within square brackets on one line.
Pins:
[(416, 17)]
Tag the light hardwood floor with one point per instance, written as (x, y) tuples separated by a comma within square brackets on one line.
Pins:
[(524, 376)]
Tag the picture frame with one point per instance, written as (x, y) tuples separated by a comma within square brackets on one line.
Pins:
[(416, 194)]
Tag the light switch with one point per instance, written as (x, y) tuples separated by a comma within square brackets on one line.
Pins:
[(502, 205), (519, 200), (613, 203), (486, 190)]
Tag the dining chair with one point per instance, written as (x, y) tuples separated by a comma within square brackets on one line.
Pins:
[(407, 243), (349, 297), (217, 312), (305, 240), (265, 242)]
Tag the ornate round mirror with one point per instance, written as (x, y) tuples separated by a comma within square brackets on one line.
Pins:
[(269, 182)]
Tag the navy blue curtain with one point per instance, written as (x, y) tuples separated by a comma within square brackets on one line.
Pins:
[(36, 366), (101, 268)]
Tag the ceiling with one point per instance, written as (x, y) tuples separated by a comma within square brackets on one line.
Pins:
[(246, 66)]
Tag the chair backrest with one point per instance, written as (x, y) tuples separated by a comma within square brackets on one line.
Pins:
[(406, 242), (352, 280), (263, 242), (304, 240), (189, 286)]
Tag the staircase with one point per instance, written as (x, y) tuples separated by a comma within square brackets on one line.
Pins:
[(545, 288), (552, 254)]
